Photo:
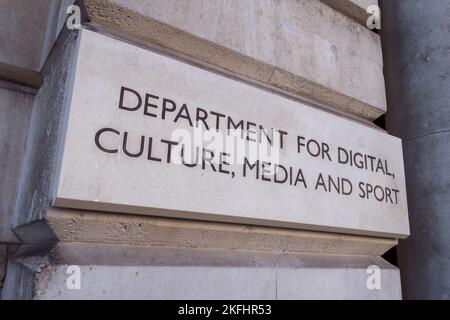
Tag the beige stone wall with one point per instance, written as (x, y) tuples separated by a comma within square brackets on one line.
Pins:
[(305, 49)]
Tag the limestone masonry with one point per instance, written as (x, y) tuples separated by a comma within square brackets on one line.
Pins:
[(226, 149), (124, 152)]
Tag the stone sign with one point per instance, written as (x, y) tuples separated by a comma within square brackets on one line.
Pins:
[(148, 134)]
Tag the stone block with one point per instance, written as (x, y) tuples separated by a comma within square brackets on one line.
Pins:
[(336, 283), (88, 177), (46, 127), (337, 61), (124, 229), (15, 114), (107, 272), (23, 24)]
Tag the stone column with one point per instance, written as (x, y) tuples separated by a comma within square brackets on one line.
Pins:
[(416, 45)]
